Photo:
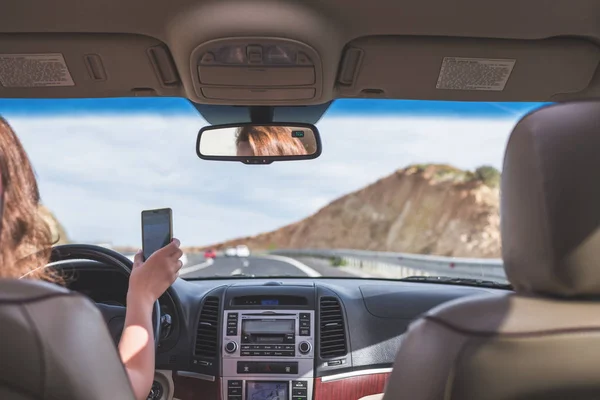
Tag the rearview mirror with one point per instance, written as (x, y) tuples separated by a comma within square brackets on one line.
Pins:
[(259, 143)]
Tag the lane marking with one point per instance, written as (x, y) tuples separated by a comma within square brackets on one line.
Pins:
[(236, 271), (197, 267), (302, 267)]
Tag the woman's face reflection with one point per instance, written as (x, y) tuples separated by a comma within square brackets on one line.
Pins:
[(244, 149)]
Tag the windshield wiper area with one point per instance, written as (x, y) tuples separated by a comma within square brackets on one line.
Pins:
[(457, 281)]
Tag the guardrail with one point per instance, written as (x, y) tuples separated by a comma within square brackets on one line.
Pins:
[(400, 265)]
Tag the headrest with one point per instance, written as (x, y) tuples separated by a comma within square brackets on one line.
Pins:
[(550, 201), (27, 290)]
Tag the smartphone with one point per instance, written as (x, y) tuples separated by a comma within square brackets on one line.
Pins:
[(157, 230)]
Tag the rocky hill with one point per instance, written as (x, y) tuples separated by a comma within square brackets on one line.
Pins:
[(422, 209)]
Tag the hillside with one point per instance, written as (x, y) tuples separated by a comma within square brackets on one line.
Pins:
[(423, 209)]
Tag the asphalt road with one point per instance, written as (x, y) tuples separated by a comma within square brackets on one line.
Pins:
[(257, 265)]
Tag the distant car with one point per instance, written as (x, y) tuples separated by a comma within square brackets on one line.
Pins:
[(230, 252), (210, 254), (242, 251)]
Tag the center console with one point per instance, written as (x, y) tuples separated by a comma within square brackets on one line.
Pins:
[(268, 345)]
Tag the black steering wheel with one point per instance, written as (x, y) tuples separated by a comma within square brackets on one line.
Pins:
[(113, 315)]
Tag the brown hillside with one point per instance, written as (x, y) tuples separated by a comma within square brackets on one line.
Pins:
[(422, 209)]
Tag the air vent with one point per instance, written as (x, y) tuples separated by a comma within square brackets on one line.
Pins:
[(333, 331), (208, 328)]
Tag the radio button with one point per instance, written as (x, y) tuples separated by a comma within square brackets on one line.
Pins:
[(231, 347), (232, 316), (234, 384), (245, 347), (234, 397), (267, 367), (298, 385), (304, 316), (245, 353), (288, 347), (304, 347), (298, 392), (305, 332), (236, 391), (304, 324), (231, 331)]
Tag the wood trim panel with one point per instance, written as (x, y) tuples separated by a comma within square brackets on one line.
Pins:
[(187, 388), (352, 388)]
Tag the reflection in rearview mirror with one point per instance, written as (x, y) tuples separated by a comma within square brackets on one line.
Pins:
[(261, 144)]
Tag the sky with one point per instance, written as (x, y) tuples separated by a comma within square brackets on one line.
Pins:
[(100, 162)]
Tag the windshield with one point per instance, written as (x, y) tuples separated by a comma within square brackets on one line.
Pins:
[(402, 188)]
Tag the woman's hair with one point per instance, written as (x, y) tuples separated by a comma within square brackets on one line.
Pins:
[(270, 141), (25, 238)]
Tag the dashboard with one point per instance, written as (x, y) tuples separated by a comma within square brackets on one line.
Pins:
[(277, 338)]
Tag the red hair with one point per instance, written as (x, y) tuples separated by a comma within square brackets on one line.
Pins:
[(25, 238), (270, 141)]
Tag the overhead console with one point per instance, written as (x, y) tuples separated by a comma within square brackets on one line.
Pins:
[(436, 68), (256, 70)]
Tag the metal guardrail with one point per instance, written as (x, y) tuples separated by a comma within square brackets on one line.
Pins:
[(400, 265)]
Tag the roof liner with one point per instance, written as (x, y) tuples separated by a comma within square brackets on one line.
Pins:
[(391, 33)]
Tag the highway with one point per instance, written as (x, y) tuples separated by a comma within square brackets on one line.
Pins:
[(257, 265)]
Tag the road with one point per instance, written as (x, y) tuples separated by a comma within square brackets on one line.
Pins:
[(257, 265)]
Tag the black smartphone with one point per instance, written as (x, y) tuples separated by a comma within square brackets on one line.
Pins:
[(157, 230)]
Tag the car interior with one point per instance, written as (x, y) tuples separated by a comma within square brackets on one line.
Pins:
[(259, 61)]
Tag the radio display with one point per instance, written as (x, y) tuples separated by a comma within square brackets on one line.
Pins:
[(261, 390), (269, 302), (270, 326)]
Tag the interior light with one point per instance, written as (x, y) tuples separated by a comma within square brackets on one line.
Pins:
[(280, 55), (254, 53), (231, 55)]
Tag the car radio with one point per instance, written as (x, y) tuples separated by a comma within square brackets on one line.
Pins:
[(268, 334), (268, 354)]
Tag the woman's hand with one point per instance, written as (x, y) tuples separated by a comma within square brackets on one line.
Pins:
[(148, 281), (151, 278)]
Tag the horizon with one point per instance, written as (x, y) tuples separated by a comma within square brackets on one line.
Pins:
[(89, 154)]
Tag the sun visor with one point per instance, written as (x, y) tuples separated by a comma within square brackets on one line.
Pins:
[(466, 69), (85, 65)]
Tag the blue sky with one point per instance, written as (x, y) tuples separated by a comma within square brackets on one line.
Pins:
[(101, 161)]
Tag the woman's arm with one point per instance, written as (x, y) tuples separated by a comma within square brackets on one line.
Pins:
[(148, 281), (137, 345)]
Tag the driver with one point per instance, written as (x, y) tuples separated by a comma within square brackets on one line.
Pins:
[(25, 244), (267, 141)]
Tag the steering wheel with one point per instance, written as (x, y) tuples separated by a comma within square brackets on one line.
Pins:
[(113, 315)]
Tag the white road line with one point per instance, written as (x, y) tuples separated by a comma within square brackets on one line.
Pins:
[(236, 271), (197, 267), (302, 267)]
